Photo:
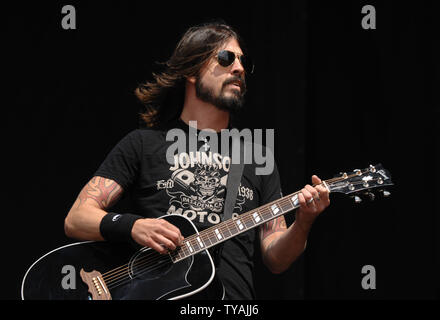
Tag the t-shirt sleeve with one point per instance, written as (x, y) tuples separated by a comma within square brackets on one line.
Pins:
[(122, 164)]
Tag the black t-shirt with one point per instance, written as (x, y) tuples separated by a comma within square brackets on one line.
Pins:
[(194, 186)]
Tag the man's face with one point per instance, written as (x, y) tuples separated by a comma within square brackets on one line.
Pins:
[(224, 87)]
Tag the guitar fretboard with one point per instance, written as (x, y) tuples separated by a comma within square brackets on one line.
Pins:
[(232, 227), (366, 179)]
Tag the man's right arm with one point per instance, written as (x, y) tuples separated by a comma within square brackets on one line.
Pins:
[(84, 218)]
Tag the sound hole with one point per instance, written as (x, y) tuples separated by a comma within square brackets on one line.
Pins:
[(148, 264)]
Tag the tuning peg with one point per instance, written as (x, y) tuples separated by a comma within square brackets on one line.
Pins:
[(343, 174), (386, 194), (357, 199)]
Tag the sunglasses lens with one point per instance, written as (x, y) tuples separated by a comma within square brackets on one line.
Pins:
[(225, 58)]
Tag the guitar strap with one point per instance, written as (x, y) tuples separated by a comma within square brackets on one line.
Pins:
[(232, 185), (234, 178)]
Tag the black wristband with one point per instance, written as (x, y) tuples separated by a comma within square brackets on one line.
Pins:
[(116, 227)]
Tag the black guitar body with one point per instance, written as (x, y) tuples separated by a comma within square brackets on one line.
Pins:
[(129, 274)]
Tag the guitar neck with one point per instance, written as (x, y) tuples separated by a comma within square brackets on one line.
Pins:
[(352, 183), (235, 226)]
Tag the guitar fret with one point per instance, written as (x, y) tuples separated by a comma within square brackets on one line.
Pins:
[(200, 243), (196, 246), (225, 230), (248, 222), (181, 253), (233, 228), (218, 234), (266, 213), (289, 201), (206, 241), (239, 224), (212, 238), (295, 200), (222, 230), (275, 209), (184, 251), (256, 217), (191, 250), (285, 206)]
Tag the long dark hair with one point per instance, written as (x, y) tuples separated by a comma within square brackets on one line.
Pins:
[(163, 98)]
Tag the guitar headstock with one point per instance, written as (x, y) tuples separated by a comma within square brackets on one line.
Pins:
[(362, 182)]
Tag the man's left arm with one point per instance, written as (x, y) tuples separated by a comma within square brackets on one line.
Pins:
[(281, 246)]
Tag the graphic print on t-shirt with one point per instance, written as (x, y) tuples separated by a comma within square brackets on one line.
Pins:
[(197, 187)]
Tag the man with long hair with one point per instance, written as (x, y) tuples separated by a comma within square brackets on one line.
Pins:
[(203, 81)]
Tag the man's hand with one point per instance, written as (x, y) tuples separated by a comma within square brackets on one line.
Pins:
[(313, 200), (158, 234)]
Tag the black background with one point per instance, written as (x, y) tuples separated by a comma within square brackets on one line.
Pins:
[(339, 97)]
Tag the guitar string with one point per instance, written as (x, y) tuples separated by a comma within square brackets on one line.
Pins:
[(192, 239), (124, 268), (151, 258), (137, 273), (146, 262), (140, 269), (143, 262), (110, 275), (126, 279), (143, 266), (245, 218)]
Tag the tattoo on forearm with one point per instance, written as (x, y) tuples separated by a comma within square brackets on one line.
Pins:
[(104, 191), (273, 226)]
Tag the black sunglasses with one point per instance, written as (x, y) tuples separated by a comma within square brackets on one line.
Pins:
[(225, 58)]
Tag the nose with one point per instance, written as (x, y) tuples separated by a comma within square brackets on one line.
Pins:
[(237, 68)]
